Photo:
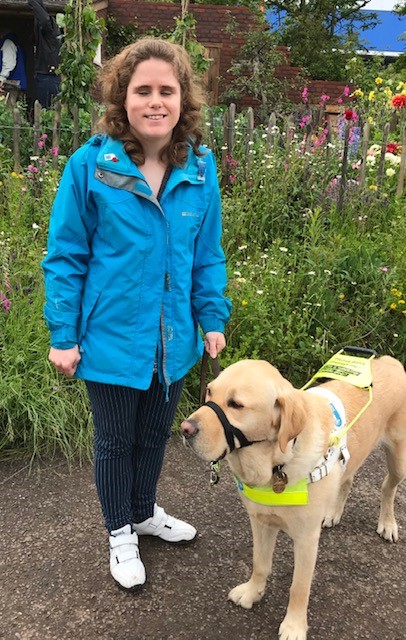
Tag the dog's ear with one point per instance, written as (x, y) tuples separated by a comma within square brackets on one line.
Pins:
[(292, 417)]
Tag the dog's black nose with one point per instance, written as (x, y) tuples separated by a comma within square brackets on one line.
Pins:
[(189, 429)]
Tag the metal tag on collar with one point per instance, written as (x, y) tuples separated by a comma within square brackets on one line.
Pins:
[(279, 479), (214, 473)]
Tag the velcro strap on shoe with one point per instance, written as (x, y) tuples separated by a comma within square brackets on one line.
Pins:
[(123, 538)]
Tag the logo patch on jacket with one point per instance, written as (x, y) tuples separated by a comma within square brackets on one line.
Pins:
[(110, 157)]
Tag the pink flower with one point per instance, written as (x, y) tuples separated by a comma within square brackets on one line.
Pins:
[(5, 302), (384, 269), (44, 136), (339, 100), (55, 151), (305, 94), (324, 97), (346, 91), (30, 167), (41, 144)]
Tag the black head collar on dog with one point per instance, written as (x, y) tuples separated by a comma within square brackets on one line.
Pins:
[(230, 431)]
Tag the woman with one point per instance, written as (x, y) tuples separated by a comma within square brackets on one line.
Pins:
[(134, 268)]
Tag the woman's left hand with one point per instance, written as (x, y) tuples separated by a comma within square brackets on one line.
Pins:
[(214, 342)]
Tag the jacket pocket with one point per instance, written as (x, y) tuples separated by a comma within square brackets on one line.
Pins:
[(88, 306)]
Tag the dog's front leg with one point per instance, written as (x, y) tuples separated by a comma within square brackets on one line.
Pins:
[(264, 538), (294, 625)]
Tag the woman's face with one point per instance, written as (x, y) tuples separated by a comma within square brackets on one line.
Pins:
[(153, 102)]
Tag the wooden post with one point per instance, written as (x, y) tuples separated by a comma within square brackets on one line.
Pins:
[(75, 137), (231, 129), (37, 126), (16, 139), (270, 134), (402, 167), (381, 167), (250, 138), (344, 166), (56, 132), (224, 152), (366, 131)]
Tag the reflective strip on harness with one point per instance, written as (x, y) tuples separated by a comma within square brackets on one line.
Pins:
[(293, 495)]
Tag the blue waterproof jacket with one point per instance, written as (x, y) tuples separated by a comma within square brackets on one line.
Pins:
[(128, 278)]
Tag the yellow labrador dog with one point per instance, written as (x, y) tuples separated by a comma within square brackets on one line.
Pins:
[(274, 435)]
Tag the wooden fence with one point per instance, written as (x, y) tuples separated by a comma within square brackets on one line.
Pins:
[(228, 141), (319, 118)]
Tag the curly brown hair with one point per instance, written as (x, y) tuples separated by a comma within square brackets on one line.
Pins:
[(114, 80)]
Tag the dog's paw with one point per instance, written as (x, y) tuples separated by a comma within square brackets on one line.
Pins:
[(292, 631), (388, 530), (331, 520), (246, 594)]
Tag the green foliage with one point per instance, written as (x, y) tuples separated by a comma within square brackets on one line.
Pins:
[(185, 35), (119, 35), (330, 25), (83, 34), (253, 70), (40, 412)]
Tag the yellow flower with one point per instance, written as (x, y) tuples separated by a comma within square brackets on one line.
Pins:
[(244, 303), (395, 291), (358, 93), (393, 305), (370, 119), (1, 184), (341, 296), (378, 80), (371, 96), (398, 294), (388, 93), (13, 173), (373, 187), (401, 302)]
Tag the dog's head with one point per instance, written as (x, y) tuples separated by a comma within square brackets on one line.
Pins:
[(257, 400)]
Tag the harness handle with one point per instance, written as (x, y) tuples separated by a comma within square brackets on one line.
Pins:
[(203, 373), (362, 351)]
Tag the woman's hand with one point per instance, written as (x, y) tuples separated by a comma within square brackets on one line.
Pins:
[(65, 360), (214, 342)]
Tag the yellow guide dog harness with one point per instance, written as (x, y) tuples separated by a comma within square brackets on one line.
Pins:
[(350, 364)]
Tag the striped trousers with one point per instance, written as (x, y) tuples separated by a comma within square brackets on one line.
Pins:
[(131, 429)]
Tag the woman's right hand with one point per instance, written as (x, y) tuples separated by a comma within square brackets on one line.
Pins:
[(65, 360)]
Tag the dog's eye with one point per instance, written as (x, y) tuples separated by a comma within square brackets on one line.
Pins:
[(234, 405)]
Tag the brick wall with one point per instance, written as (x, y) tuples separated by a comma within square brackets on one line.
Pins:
[(210, 29), (212, 21)]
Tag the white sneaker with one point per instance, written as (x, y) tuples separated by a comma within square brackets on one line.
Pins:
[(125, 563), (165, 527)]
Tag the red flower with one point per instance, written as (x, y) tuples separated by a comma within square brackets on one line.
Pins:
[(399, 101), (392, 147), (349, 114)]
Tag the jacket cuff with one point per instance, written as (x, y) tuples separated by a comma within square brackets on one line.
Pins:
[(64, 337), (210, 325)]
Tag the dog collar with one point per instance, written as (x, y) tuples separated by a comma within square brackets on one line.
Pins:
[(293, 495)]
